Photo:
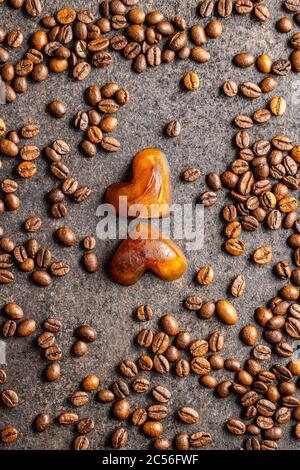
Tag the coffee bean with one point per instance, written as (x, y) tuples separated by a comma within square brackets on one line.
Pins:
[(9, 435), (236, 427), (110, 144), (121, 409), (191, 81), (26, 327), (193, 303), (281, 67), (292, 5), (9, 328), (161, 394), (52, 324), (82, 70), (79, 399), (200, 439), (81, 443), (119, 438), (200, 366), (161, 364), (42, 422), (45, 340), (120, 389), (128, 369), (208, 199), (191, 174), (262, 255), (67, 418), (52, 372), (173, 129), (244, 60), (261, 352), (105, 396), (53, 353), (66, 236)]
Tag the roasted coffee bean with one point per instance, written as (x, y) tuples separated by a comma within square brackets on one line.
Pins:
[(191, 81), (144, 313), (52, 324), (188, 415), (173, 129), (9, 328), (238, 286), (79, 348), (161, 394), (121, 409), (208, 199), (9, 435), (157, 412), (161, 364), (26, 327), (53, 353), (9, 398), (85, 426), (261, 352), (45, 340), (52, 372), (230, 88), (140, 385), (261, 12), (120, 389), (82, 70), (119, 438), (281, 67), (182, 367), (200, 366), (181, 441), (90, 382), (244, 60), (128, 369), (67, 418), (3, 377), (193, 303), (200, 346), (105, 396), (42, 422)]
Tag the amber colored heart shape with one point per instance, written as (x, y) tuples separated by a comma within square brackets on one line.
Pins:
[(150, 186), (147, 251)]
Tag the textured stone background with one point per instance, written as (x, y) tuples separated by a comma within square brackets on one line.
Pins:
[(205, 142)]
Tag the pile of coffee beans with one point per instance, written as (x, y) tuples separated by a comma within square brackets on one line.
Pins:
[(100, 121)]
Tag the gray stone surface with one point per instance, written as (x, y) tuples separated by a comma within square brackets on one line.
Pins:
[(205, 142)]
